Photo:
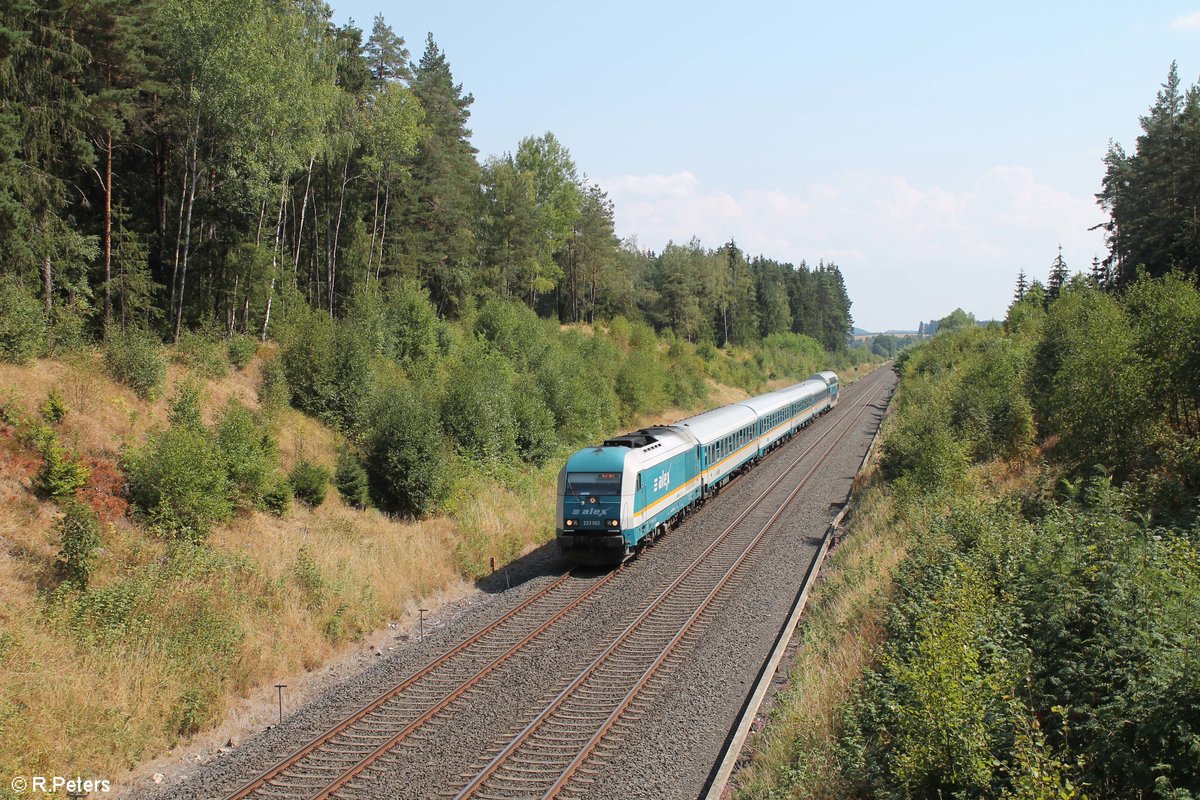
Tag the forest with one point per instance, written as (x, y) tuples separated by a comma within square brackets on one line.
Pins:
[(185, 164), (1020, 616)]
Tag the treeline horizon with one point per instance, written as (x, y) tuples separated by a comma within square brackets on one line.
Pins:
[(200, 163)]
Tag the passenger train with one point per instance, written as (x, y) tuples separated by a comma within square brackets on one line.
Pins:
[(614, 498)]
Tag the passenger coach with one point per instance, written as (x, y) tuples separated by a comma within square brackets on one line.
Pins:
[(615, 497)]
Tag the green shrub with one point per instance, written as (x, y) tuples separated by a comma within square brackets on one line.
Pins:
[(203, 352), (241, 349), (328, 367), (685, 376), (621, 331), (642, 337), (55, 408), (936, 713), (249, 454), (1090, 385), (535, 437), (62, 472), (134, 357), (568, 380), (22, 323), (274, 395), (308, 482), (400, 324), (350, 479), (477, 410), (178, 481), (406, 467), (307, 357), (193, 710), (185, 405), (640, 385), (67, 332), (1165, 313), (308, 576), (277, 497), (920, 448), (514, 330), (79, 539), (415, 324), (335, 625)]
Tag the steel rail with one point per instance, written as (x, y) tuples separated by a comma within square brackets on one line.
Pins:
[(315, 744)]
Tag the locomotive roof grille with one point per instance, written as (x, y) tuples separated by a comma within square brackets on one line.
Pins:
[(635, 440)]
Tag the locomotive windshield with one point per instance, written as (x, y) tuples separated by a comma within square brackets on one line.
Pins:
[(589, 484)]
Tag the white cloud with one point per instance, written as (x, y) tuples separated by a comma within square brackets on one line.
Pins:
[(680, 184), (1187, 22), (908, 251)]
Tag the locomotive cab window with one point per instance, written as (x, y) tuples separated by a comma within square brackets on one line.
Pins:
[(590, 484)]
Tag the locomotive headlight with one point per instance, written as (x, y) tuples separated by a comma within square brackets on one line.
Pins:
[(570, 523), (614, 522)]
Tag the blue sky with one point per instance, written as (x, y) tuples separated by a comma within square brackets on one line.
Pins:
[(931, 152)]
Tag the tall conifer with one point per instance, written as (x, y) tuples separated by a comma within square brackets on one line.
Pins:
[(1058, 277), (437, 235)]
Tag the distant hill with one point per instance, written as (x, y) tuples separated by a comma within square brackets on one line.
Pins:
[(862, 333)]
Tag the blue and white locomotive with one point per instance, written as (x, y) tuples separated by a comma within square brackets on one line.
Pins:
[(613, 498)]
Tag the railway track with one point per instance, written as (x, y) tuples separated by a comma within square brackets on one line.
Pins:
[(328, 764)]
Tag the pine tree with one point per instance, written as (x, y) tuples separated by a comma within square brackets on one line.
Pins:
[(1022, 286), (117, 36), (44, 114), (1099, 274), (438, 209), (1058, 277), (590, 258), (1151, 195), (387, 55)]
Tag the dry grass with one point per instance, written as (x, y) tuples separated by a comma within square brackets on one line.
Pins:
[(851, 374), (842, 628), (71, 704), (102, 415), (301, 436), (367, 570)]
